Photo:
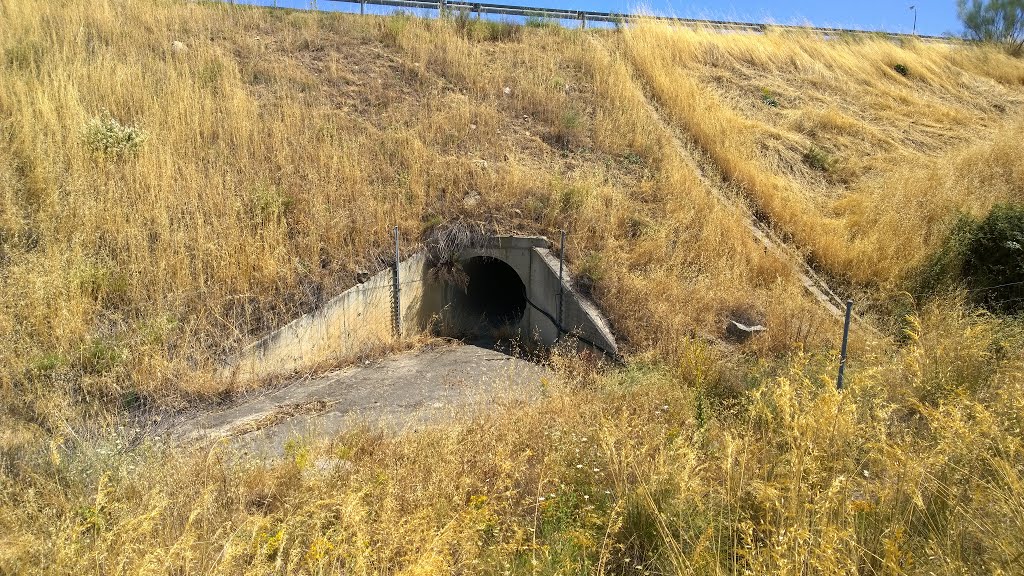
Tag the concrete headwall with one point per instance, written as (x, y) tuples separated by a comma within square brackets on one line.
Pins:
[(537, 267), (361, 318)]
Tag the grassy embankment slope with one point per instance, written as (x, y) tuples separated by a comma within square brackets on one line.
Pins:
[(281, 148)]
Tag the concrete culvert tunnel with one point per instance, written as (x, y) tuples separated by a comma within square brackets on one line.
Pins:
[(494, 299), (505, 290)]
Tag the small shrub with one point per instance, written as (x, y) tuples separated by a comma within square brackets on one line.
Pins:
[(631, 158), (101, 356), (986, 258), (571, 198), (391, 28), (47, 363), (502, 31), (589, 275), (106, 284), (569, 130), (106, 136), (946, 265), (268, 205), (27, 55), (818, 159), (769, 98), (539, 21), (471, 28), (902, 70), (994, 263)]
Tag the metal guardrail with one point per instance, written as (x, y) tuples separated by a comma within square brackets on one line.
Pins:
[(584, 16)]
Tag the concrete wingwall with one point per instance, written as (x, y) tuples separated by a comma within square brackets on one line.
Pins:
[(361, 319), (356, 321)]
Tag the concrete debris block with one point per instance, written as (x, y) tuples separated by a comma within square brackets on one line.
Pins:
[(738, 332), (178, 47)]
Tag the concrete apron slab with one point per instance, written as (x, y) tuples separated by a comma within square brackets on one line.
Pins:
[(406, 391)]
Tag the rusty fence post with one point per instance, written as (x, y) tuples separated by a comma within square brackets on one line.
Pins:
[(846, 338), (396, 299), (561, 285)]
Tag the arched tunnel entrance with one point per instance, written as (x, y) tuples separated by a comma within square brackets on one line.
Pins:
[(507, 292), (492, 305)]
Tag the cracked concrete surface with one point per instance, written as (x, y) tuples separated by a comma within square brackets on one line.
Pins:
[(401, 392)]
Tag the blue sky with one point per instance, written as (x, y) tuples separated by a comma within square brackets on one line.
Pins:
[(935, 17)]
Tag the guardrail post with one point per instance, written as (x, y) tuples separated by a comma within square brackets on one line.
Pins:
[(362, 8), (477, 8), (583, 20)]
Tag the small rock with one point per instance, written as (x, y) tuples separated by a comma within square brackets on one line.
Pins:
[(472, 126), (738, 332), (507, 90), (362, 276), (178, 47)]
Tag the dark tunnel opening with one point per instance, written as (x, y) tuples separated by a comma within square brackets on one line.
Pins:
[(495, 296)]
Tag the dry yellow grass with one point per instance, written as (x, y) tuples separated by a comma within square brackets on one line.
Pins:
[(282, 146), (837, 148), (915, 470)]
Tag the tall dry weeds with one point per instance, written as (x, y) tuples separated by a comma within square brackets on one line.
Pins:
[(282, 146)]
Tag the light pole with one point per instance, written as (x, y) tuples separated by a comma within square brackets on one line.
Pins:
[(914, 8)]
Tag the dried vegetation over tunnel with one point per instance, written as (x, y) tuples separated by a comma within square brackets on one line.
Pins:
[(177, 179)]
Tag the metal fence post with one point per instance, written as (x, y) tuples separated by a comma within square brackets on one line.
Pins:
[(362, 8), (561, 285), (846, 338), (397, 290)]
